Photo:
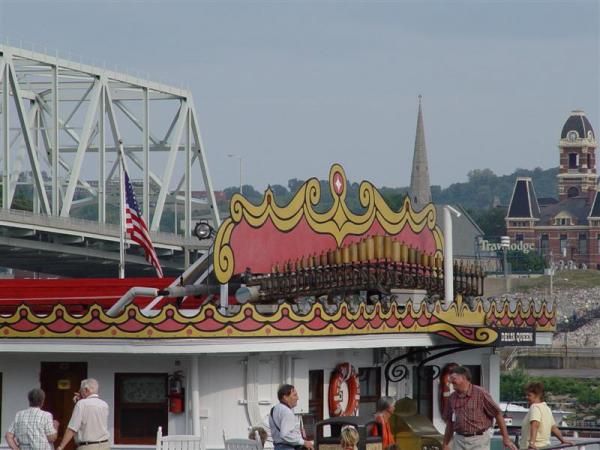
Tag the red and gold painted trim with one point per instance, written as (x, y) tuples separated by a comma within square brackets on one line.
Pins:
[(456, 322), (258, 236)]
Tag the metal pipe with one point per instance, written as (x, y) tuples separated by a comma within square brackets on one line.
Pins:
[(174, 291), (247, 294), (189, 290), (195, 384), (448, 267), (132, 293)]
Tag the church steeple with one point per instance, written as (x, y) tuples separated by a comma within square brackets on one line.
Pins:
[(420, 190)]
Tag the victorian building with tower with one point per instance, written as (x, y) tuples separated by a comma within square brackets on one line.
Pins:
[(566, 229)]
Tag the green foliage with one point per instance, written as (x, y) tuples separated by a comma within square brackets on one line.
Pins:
[(23, 198), (294, 184), (512, 384), (491, 221), (284, 195), (521, 262), (249, 192), (393, 197), (572, 279), (482, 189), (586, 391)]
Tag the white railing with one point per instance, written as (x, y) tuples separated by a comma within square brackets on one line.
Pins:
[(25, 219)]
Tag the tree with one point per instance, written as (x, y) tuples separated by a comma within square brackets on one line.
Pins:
[(294, 184), (491, 221), (394, 199), (521, 262), (512, 385), (281, 193)]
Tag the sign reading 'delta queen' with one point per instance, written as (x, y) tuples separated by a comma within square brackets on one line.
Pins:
[(262, 237), (508, 337)]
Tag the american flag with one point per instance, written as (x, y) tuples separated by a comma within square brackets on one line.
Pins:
[(136, 228)]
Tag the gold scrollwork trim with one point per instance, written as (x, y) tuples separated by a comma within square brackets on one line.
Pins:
[(456, 321), (339, 221)]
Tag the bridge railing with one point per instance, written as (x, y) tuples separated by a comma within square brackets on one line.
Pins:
[(71, 225)]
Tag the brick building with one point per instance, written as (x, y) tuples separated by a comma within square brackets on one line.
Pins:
[(567, 227)]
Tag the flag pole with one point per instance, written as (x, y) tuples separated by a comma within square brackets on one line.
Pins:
[(122, 211)]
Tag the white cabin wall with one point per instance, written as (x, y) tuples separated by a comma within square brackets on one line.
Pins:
[(491, 375), (223, 396), (223, 393), (20, 373), (327, 361)]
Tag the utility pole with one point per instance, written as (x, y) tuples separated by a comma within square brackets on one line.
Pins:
[(239, 157), (505, 244)]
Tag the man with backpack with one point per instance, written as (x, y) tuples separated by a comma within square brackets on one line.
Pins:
[(285, 428)]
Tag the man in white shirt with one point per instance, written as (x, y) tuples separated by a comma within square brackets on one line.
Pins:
[(89, 421), (33, 428), (285, 428)]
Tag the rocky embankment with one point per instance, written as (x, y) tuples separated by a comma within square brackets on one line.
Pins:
[(577, 311)]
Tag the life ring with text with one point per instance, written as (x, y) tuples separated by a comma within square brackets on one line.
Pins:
[(344, 391), (445, 386)]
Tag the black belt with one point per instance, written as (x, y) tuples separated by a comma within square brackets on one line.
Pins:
[(477, 433), (79, 444)]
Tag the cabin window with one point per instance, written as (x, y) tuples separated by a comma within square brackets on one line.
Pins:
[(370, 389), (140, 407)]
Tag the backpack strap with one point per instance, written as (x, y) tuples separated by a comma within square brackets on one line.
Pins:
[(273, 419)]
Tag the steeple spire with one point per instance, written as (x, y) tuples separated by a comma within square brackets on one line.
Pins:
[(420, 190)]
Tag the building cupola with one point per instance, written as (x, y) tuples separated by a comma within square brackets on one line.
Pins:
[(577, 146), (577, 127)]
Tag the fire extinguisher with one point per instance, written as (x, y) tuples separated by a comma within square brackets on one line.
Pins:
[(176, 393)]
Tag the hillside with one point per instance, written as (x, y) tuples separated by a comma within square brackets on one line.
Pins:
[(483, 186), (482, 190)]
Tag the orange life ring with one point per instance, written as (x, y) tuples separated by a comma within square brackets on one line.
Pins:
[(344, 373), (445, 388)]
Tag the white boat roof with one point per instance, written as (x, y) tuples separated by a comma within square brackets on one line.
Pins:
[(516, 408)]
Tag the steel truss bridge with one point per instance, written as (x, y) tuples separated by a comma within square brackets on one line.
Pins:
[(60, 125)]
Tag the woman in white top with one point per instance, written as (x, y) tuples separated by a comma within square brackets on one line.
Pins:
[(538, 423)]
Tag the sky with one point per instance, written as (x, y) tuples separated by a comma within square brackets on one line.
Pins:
[(294, 86)]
